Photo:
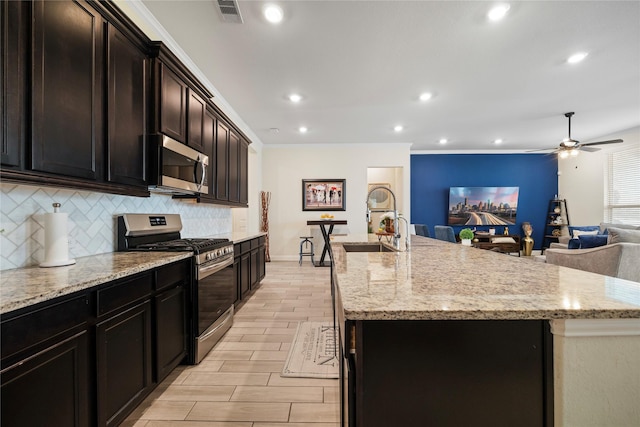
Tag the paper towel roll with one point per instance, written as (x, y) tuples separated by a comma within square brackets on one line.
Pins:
[(56, 242)]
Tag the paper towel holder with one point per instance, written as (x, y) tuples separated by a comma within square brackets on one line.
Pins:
[(56, 242)]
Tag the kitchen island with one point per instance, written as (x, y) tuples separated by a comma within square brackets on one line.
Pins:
[(452, 335)]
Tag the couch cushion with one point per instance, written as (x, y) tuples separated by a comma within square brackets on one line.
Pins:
[(619, 235), (604, 226), (589, 241), (575, 231)]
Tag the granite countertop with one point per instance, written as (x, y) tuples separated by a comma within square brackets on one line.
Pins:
[(240, 236), (438, 280), (22, 287)]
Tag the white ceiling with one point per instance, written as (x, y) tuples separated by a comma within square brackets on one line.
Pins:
[(361, 66)]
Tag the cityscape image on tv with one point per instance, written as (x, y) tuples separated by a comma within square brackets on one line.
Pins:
[(483, 205)]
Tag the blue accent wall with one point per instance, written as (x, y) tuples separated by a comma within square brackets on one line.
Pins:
[(433, 174)]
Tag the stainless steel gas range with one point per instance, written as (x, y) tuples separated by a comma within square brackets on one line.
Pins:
[(213, 290)]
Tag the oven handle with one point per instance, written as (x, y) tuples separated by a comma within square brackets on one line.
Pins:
[(213, 268)]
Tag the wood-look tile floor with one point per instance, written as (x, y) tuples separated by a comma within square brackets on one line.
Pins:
[(238, 384)]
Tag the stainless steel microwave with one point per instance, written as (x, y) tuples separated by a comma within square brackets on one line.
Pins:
[(177, 168)]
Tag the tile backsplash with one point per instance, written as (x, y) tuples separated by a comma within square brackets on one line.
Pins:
[(92, 220)]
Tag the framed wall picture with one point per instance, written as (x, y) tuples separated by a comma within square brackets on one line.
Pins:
[(323, 194)]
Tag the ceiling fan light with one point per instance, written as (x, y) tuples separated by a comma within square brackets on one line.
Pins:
[(563, 154), (574, 152)]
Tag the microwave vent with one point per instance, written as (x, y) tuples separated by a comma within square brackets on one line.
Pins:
[(230, 11)]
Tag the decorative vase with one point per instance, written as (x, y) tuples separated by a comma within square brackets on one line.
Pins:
[(388, 225), (527, 246), (466, 242)]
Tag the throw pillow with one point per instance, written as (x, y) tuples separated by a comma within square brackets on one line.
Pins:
[(573, 244), (604, 226), (619, 235), (578, 233), (503, 240), (574, 231), (590, 241)]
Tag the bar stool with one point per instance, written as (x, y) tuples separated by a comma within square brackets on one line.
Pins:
[(307, 245)]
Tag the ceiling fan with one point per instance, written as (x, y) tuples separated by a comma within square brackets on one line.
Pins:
[(570, 146)]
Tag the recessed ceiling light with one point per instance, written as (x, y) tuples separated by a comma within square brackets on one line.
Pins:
[(443, 141), (303, 129), (497, 141), (498, 12), (273, 13), (577, 57), (398, 128), (294, 97), (425, 96)]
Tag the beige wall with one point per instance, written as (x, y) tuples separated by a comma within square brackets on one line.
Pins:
[(284, 168), (581, 179)]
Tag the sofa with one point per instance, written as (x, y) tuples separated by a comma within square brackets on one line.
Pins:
[(580, 236), (619, 257)]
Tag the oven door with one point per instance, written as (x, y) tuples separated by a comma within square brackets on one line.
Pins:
[(215, 288)]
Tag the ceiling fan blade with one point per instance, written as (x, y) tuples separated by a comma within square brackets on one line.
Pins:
[(612, 141), (589, 149), (541, 149)]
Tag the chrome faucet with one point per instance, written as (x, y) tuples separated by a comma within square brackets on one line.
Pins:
[(396, 235), (407, 242)]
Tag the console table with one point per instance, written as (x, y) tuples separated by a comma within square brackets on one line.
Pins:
[(323, 223), (484, 242)]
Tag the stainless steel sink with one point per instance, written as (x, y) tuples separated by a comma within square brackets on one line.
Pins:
[(366, 247)]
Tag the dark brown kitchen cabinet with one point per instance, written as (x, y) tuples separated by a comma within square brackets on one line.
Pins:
[(127, 111), (234, 168), (171, 330), (13, 71), (222, 158), (245, 274), (173, 104), (249, 265), (67, 94), (195, 116), (49, 388), (208, 144), (123, 362), (243, 172)]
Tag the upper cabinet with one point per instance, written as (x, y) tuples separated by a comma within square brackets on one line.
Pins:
[(127, 111), (67, 94), (83, 89), (172, 105), (76, 76)]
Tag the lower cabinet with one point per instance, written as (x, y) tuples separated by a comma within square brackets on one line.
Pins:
[(123, 362), (249, 265), (171, 331), (88, 359), (49, 388)]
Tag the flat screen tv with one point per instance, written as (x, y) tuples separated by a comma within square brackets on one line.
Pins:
[(483, 205)]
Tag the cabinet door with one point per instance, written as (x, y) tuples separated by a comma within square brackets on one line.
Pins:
[(234, 167), (243, 172), (237, 278), (208, 144), (123, 363), (245, 271), (127, 108), (67, 92), (13, 63), (171, 331), (195, 117), (222, 150), (262, 255), (50, 388), (254, 268), (173, 105)]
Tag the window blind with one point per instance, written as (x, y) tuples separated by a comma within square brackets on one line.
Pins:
[(622, 189)]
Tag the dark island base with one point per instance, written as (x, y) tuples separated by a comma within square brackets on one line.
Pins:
[(449, 373)]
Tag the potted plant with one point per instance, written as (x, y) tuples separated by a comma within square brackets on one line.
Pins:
[(386, 222), (466, 234)]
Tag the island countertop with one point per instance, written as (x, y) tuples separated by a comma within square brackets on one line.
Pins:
[(22, 287), (439, 280)]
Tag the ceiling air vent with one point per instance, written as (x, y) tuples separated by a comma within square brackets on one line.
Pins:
[(230, 11)]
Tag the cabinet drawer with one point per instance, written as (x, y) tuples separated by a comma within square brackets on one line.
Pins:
[(255, 243), (123, 293), (35, 326), (237, 250), (245, 246), (172, 275), (262, 240)]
